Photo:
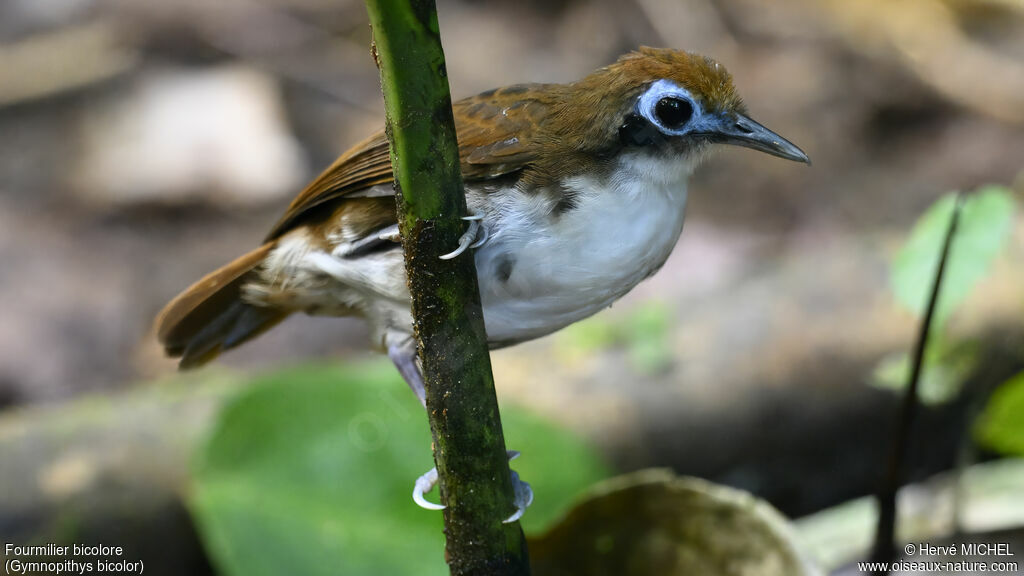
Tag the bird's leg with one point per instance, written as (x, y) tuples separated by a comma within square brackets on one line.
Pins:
[(475, 237), (402, 351), (523, 494), (385, 237)]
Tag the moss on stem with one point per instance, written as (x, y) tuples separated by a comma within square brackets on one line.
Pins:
[(469, 448)]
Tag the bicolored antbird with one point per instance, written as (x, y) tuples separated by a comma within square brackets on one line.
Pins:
[(577, 193)]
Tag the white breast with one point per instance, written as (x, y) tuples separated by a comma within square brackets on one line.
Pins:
[(539, 273)]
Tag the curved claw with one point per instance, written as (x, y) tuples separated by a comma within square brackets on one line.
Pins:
[(484, 236), (523, 497), (523, 493), (464, 241), (470, 238), (423, 485)]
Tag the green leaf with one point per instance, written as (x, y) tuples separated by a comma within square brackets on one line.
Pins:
[(643, 333), (1000, 427), (943, 374), (310, 472), (985, 225), (647, 335), (592, 335)]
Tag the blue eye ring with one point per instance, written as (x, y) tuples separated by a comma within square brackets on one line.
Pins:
[(670, 107)]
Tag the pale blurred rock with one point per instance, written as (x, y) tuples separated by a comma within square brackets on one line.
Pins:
[(18, 16), (62, 60), (116, 470), (975, 505), (217, 135)]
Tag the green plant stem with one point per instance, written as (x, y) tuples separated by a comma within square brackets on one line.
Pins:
[(469, 447), (885, 533)]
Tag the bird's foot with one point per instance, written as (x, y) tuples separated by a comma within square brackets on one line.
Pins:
[(423, 485), (523, 493), (475, 237)]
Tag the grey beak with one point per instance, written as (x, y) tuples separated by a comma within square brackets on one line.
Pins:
[(743, 131)]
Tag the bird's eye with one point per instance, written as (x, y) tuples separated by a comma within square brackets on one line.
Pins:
[(673, 113)]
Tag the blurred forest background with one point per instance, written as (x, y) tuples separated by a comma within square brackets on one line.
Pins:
[(147, 142)]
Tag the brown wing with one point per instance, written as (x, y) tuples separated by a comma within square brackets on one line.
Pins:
[(210, 316), (497, 132), (365, 164)]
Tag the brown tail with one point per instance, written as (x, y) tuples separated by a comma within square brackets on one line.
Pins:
[(210, 316)]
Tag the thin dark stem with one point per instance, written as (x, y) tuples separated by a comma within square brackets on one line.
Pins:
[(885, 533), (469, 447)]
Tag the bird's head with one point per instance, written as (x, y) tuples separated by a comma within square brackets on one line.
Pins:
[(671, 104)]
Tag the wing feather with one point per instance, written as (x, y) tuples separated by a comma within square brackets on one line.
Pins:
[(497, 132), (364, 165)]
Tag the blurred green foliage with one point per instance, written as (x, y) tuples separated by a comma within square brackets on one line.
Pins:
[(986, 221), (643, 334), (1000, 427), (310, 471), (946, 367)]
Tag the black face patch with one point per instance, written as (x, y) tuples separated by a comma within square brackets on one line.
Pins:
[(504, 269), (638, 131)]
